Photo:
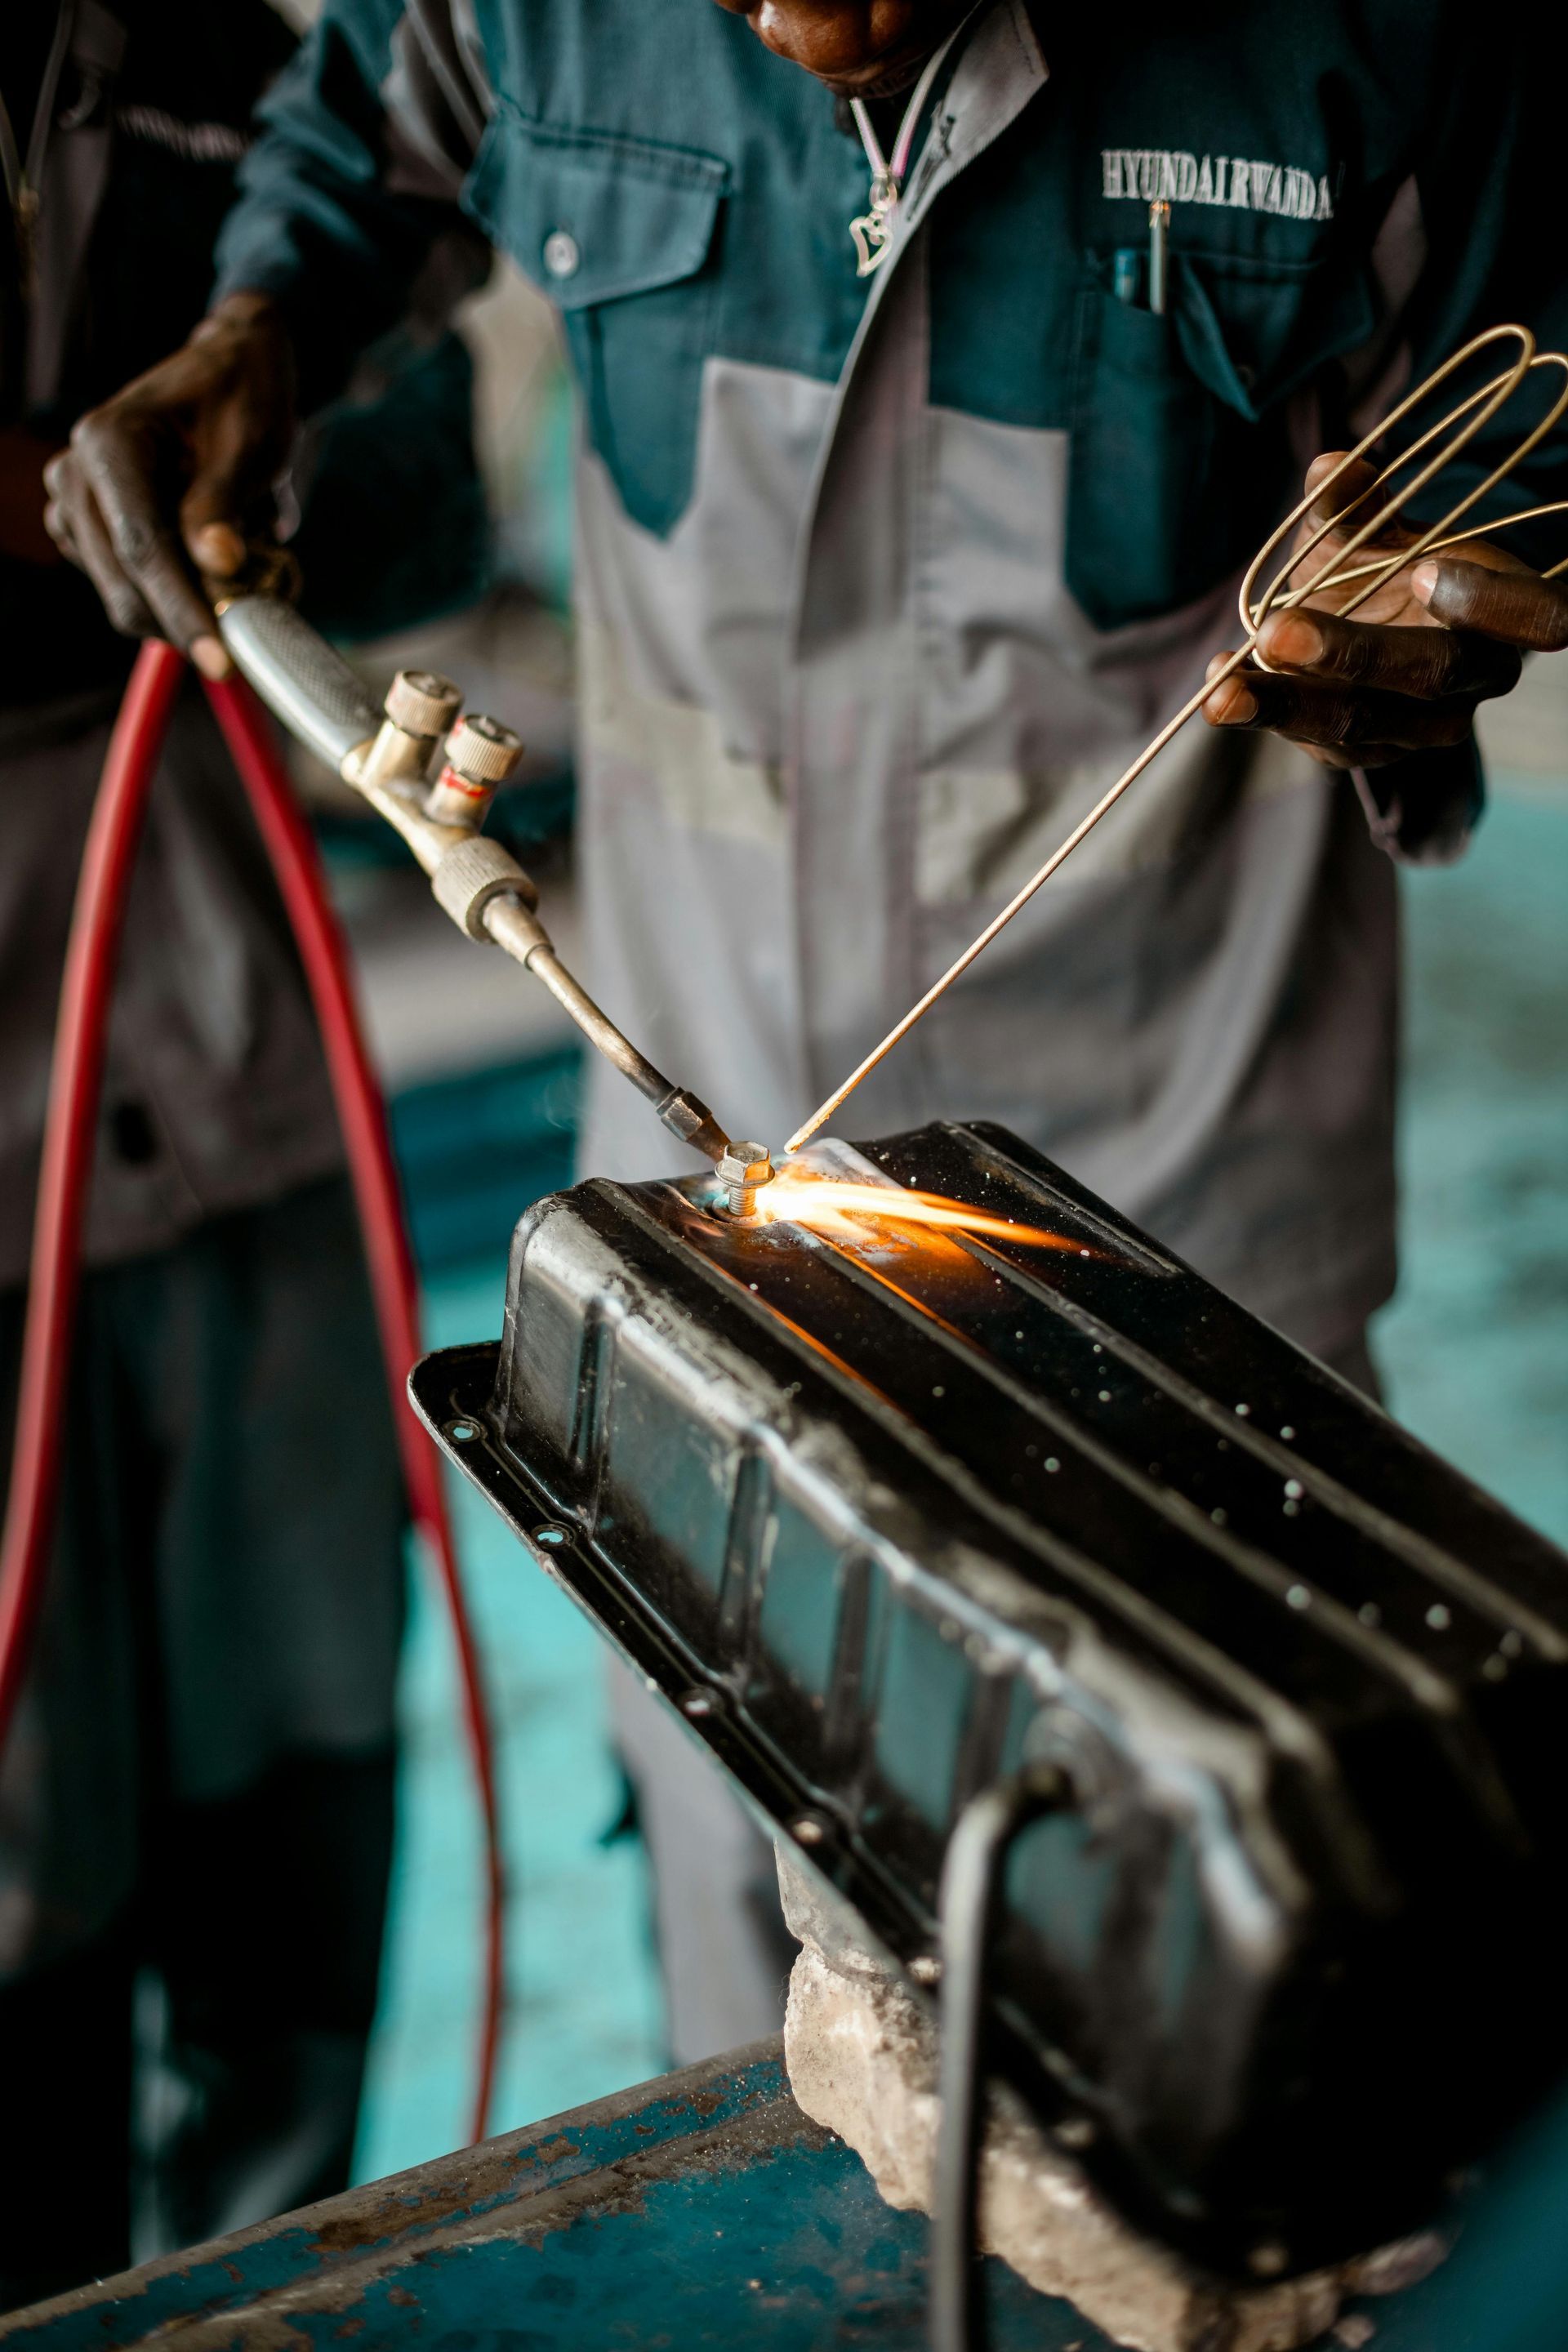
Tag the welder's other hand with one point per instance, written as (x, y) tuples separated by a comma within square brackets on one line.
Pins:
[(168, 480), (1407, 672)]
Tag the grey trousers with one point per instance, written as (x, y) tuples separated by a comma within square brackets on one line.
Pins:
[(196, 1799), (724, 1951)]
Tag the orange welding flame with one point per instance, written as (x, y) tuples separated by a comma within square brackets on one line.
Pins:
[(840, 1210)]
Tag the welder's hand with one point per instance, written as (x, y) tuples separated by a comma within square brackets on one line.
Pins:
[(1407, 672), (168, 480)]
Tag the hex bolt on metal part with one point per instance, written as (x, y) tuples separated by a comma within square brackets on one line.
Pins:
[(481, 754), (743, 1170)]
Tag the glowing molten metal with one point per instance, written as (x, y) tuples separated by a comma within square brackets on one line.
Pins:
[(839, 1208)]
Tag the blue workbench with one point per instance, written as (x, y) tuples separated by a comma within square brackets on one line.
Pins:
[(701, 2209)]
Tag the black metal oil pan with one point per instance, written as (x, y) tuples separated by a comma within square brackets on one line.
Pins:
[(886, 1515)]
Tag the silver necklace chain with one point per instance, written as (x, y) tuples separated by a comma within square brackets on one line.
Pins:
[(872, 230)]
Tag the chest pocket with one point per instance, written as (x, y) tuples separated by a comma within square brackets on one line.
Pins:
[(620, 233), (1180, 459)]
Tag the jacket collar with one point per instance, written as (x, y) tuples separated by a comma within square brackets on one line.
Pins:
[(1000, 66)]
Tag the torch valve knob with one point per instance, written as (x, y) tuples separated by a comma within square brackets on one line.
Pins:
[(422, 703)]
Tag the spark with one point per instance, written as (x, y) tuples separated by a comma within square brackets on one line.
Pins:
[(839, 1208)]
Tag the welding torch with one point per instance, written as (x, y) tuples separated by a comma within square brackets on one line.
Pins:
[(387, 756)]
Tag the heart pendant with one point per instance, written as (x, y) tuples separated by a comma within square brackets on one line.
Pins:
[(870, 235)]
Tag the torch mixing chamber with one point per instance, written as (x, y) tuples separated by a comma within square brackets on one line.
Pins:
[(909, 1508)]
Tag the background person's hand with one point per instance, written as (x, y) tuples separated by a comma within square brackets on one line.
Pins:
[(168, 480), (1407, 673)]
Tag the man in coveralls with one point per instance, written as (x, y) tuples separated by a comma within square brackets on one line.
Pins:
[(885, 572), (196, 1797)]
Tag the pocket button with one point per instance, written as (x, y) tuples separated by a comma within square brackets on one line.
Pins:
[(561, 256)]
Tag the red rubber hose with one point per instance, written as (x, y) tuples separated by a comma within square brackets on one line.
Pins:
[(71, 1122), (68, 1137), (362, 1114)]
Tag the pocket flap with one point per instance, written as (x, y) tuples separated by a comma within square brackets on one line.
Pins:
[(1252, 331), (589, 216)]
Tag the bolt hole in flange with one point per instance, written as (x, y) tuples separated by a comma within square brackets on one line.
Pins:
[(463, 1432), (551, 1537)]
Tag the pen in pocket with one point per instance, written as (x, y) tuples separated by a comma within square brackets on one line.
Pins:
[(1159, 253), (1130, 270), (1127, 275)]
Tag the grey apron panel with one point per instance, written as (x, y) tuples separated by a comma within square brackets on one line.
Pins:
[(856, 735), (688, 929), (683, 823), (1211, 1044), (1014, 678), (853, 747), (700, 617)]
